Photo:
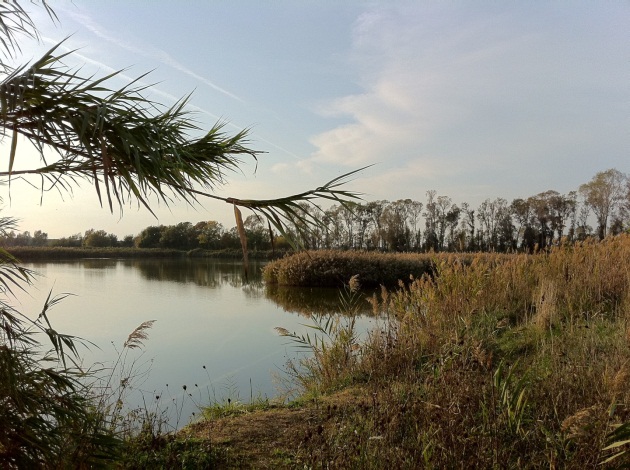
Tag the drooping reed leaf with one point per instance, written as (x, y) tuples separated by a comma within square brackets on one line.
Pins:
[(131, 148)]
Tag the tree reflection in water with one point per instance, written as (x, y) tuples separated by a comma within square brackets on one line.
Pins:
[(215, 273), (312, 301), (202, 272)]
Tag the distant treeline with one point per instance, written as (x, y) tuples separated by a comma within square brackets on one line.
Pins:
[(183, 236), (405, 225)]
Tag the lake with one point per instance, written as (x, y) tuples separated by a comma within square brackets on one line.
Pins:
[(213, 332)]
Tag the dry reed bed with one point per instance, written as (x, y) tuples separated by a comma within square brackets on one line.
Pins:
[(518, 362), (333, 268)]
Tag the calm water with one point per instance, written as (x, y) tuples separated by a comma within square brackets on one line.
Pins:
[(206, 315)]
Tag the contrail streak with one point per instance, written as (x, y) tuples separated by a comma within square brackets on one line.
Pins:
[(156, 54)]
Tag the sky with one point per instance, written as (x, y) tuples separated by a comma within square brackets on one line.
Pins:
[(475, 100)]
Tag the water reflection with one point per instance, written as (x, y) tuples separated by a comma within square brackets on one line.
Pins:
[(215, 273), (213, 326), (83, 263), (206, 273), (98, 264), (309, 301)]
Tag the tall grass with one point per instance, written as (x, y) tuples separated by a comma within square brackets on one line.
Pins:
[(333, 345), (47, 416), (331, 268), (496, 362)]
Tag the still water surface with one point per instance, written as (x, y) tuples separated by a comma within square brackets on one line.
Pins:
[(206, 315)]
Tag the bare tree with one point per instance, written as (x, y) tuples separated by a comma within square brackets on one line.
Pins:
[(604, 194)]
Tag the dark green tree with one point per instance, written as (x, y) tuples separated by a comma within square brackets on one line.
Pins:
[(75, 240), (209, 234), (258, 236), (150, 237), (181, 236), (126, 242), (99, 239)]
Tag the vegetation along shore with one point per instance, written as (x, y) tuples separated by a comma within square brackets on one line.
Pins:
[(333, 268), (29, 253), (519, 362)]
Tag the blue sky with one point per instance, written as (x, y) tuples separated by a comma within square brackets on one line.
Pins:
[(476, 100)]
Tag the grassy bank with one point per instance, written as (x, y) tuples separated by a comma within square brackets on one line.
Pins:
[(32, 253), (522, 363), (28, 253)]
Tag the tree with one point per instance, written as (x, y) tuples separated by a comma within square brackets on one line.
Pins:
[(99, 239), (150, 237), (334, 230), (258, 236), (431, 221), (443, 206), (522, 211), (376, 209), (564, 208), (468, 227), (126, 242), (604, 194), (541, 207), (452, 221), (181, 236), (230, 239), (363, 220), (24, 239), (348, 216), (393, 226), (209, 234), (625, 207), (75, 240), (40, 238), (415, 211), (583, 230), (487, 216)]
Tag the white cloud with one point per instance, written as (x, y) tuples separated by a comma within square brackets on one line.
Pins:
[(280, 167), (405, 99), (496, 86), (305, 166)]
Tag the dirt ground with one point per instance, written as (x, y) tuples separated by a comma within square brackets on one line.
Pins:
[(273, 438)]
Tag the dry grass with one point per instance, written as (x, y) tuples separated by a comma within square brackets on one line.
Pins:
[(496, 362), (333, 268)]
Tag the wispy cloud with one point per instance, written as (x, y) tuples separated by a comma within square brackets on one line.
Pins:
[(128, 78), (146, 51), (416, 86), (164, 58)]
